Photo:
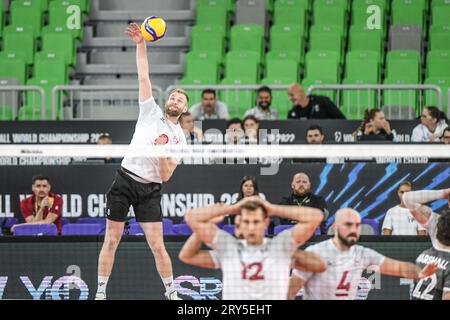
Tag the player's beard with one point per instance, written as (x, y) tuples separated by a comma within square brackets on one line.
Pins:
[(346, 241), (172, 111)]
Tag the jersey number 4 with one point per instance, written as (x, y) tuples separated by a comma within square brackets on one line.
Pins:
[(425, 294), (253, 272), (344, 287)]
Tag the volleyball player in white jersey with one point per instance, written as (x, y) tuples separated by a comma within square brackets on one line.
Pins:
[(254, 268), (138, 181), (346, 262), (191, 253)]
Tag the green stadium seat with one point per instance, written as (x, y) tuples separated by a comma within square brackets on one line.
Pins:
[(363, 39), (202, 68), (246, 67), (214, 13), (364, 4), (19, 39), (238, 102), (59, 40), (244, 56), (284, 55), (363, 65), (409, 12), (1, 19), (430, 95), (33, 98), (360, 15), (400, 98), (282, 69), (287, 38), (438, 63), (209, 38), (213, 56), (291, 12), (280, 98), (354, 102), (60, 17), (6, 113), (440, 15), (330, 16), (327, 38), (440, 37), (51, 68), (323, 65), (29, 114), (26, 13), (82, 4), (12, 65), (403, 65), (308, 82), (342, 4), (247, 37)]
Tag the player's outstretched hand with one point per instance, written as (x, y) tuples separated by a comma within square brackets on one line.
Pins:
[(428, 270), (134, 32)]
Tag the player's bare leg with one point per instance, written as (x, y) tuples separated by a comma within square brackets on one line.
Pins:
[(154, 235), (113, 235)]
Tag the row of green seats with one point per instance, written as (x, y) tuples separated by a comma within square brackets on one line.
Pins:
[(21, 40)]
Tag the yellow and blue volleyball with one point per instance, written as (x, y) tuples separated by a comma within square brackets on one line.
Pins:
[(153, 28)]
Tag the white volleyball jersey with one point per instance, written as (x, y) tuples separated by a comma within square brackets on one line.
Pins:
[(254, 272), (401, 222), (344, 269), (151, 125)]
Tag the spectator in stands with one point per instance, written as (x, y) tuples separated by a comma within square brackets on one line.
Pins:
[(375, 127), (302, 196), (235, 131), (311, 107), (446, 136), (193, 133), (106, 139), (43, 207), (210, 107), (251, 129), (264, 100), (398, 220), (314, 135), (248, 188), (433, 123)]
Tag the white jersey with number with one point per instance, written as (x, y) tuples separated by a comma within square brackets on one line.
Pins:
[(254, 272), (151, 125), (344, 269)]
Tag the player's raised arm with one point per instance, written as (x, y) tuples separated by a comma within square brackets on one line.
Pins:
[(415, 200), (192, 254), (145, 86), (309, 262), (201, 219), (309, 219), (392, 267)]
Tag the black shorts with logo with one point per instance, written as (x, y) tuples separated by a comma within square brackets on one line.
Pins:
[(125, 191)]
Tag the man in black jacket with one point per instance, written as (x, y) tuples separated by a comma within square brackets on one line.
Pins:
[(301, 196), (311, 107)]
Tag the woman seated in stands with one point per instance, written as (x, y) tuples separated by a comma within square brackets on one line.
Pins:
[(375, 127), (432, 126)]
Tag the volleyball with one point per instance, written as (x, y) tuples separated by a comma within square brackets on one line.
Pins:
[(153, 28)]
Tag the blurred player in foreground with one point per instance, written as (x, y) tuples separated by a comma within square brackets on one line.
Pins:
[(436, 286), (255, 268), (346, 262)]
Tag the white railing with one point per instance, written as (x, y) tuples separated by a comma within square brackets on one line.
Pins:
[(23, 100)]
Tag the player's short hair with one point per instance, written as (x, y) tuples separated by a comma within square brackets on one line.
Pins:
[(183, 92), (186, 114), (250, 117), (211, 91), (443, 227), (234, 121), (445, 130), (104, 137), (265, 89), (315, 127), (405, 183), (39, 177), (253, 206)]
